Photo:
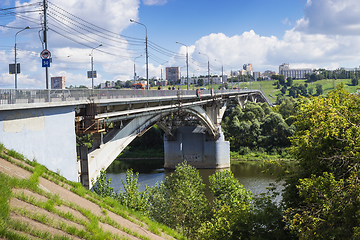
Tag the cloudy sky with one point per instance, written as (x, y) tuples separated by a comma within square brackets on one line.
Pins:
[(311, 34)]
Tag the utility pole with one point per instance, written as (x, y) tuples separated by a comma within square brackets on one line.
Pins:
[(46, 41)]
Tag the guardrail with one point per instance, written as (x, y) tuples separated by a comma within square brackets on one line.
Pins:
[(23, 96)]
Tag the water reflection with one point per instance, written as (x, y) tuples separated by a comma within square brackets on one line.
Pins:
[(254, 175)]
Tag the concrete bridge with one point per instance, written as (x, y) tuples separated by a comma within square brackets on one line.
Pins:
[(43, 125)]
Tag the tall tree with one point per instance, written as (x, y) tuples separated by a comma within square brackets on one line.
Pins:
[(322, 196)]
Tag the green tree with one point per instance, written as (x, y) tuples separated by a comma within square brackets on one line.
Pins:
[(319, 89), (180, 202), (200, 82), (231, 211), (102, 185), (354, 81), (289, 81), (131, 196), (322, 195), (282, 80), (313, 77)]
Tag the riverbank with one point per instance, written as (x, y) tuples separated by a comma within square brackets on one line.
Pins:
[(157, 154)]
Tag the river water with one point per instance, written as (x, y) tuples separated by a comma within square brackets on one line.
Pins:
[(254, 175)]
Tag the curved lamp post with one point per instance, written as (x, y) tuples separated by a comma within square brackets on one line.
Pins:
[(147, 56), (187, 64), (208, 68), (92, 67), (15, 55)]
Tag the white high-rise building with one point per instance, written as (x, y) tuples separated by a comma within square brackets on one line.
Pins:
[(284, 69)]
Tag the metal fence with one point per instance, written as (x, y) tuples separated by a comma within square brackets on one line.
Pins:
[(23, 96)]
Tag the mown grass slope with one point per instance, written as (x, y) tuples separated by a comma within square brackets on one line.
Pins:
[(36, 203)]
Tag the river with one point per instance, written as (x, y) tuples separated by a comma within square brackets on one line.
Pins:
[(251, 174)]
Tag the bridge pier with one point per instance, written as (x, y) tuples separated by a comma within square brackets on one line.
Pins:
[(194, 145)]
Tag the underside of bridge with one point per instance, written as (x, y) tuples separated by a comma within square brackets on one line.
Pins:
[(192, 133)]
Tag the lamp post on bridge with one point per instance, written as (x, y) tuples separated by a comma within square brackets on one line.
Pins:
[(134, 67), (208, 68), (161, 78), (92, 66), (187, 64), (147, 56), (15, 55)]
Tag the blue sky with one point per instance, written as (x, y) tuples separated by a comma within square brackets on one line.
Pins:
[(304, 33)]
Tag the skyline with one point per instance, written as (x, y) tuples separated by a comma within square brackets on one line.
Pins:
[(305, 34)]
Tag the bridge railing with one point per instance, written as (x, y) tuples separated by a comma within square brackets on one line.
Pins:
[(24, 96)]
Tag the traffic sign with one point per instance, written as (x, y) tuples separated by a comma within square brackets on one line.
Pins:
[(91, 74), (45, 62), (45, 54), (12, 68)]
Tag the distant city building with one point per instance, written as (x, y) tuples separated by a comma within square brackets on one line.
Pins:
[(214, 80), (108, 84), (172, 74), (268, 74), (284, 69), (256, 75), (57, 82), (248, 67)]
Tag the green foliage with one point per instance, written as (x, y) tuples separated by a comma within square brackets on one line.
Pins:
[(289, 81), (102, 186), (15, 154), (327, 138), (4, 202), (322, 195), (267, 218), (132, 197), (331, 209), (319, 89), (231, 209), (354, 81), (180, 202), (259, 127)]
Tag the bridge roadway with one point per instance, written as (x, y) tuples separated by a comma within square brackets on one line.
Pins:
[(43, 124)]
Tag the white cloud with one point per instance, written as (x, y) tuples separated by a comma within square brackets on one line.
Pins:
[(154, 2), (331, 17)]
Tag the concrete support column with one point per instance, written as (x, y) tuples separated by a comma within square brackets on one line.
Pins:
[(196, 147), (97, 140)]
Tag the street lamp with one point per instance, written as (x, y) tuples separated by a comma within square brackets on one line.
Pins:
[(187, 64), (222, 70), (92, 67), (208, 68), (134, 67), (162, 70), (15, 55), (147, 56), (194, 78)]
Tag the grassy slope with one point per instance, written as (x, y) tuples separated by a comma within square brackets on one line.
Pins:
[(35, 202), (327, 85), (269, 88)]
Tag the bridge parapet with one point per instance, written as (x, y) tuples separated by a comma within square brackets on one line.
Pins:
[(31, 96)]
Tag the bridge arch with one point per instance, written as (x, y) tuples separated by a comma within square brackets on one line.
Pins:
[(103, 156)]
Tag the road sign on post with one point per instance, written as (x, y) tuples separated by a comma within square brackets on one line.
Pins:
[(45, 54), (93, 75), (45, 62), (12, 68)]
